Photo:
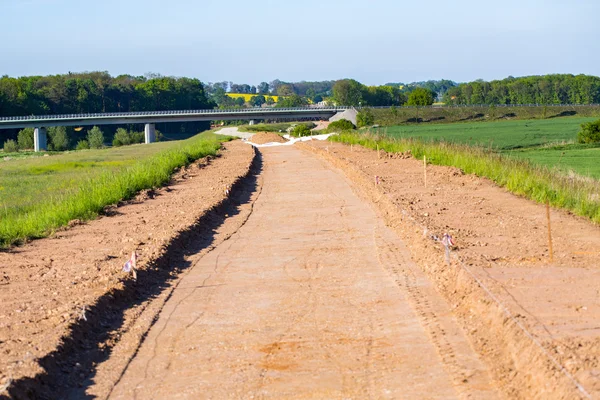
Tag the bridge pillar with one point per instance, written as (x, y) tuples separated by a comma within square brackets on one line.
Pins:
[(40, 139), (251, 122), (150, 133)]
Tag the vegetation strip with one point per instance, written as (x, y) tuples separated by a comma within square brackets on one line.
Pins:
[(540, 184), (95, 193)]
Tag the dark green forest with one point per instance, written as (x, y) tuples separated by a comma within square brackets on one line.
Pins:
[(97, 92), (546, 89)]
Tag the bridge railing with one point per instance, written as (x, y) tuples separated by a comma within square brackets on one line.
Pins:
[(172, 112)]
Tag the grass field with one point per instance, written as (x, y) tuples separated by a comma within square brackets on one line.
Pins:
[(500, 135), (40, 194), (549, 142)]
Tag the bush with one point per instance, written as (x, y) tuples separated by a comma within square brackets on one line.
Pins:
[(10, 146), (121, 138), (82, 145), (25, 138), (365, 117), (139, 137), (300, 130), (589, 133), (95, 138), (340, 125), (59, 140)]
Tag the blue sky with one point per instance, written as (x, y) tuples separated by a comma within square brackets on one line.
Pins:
[(373, 41)]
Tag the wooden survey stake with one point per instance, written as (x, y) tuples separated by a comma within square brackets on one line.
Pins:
[(550, 249)]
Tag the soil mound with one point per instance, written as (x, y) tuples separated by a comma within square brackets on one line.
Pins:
[(267, 137)]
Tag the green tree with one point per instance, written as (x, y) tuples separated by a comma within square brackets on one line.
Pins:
[(348, 92), (257, 101), (95, 138), (365, 117), (25, 138), (58, 138), (263, 88), (300, 130), (420, 97), (270, 101), (589, 133), (82, 145), (121, 138), (340, 125), (10, 146), (292, 101), (285, 90)]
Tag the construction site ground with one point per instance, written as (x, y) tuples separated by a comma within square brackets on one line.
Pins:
[(307, 271)]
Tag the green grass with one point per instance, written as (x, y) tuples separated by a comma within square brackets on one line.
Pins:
[(549, 142), (500, 135), (22, 154), (39, 195), (569, 158), (522, 177)]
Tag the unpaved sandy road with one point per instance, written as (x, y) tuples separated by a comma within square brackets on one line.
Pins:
[(312, 298)]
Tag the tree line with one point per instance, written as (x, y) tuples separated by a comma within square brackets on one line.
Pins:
[(546, 89), (99, 92)]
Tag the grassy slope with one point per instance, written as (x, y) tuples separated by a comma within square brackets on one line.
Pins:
[(24, 181), (38, 195), (530, 140), (518, 176)]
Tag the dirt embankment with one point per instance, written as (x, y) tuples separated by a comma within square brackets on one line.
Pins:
[(67, 305), (534, 321), (267, 137)]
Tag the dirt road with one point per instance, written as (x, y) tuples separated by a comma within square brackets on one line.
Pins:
[(314, 297)]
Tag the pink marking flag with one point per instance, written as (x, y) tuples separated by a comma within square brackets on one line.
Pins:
[(130, 265), (447, 240)]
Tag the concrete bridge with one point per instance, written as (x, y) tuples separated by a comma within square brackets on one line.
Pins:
[(150, 118)]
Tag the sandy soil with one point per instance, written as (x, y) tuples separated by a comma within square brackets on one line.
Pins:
[(65, 302), (267, 137), (321, 125), (314, 297), (502, 239)]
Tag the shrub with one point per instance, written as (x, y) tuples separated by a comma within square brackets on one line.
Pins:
[(589, 133), (59, 140), (10, 146), (365, 117), (25, 138), (340, 125), (300, 130), (95, 138), (121, 138), (82, 145)]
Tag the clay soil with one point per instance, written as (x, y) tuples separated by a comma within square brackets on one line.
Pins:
[(292, 273), (502, 240), (314, 297), (65, 302), (267, 137)]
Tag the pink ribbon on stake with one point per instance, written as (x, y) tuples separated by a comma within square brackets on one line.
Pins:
[(447, 242), (130, 265), (377, 179)]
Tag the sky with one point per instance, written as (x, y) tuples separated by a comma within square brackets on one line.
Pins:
[(372, 41)]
